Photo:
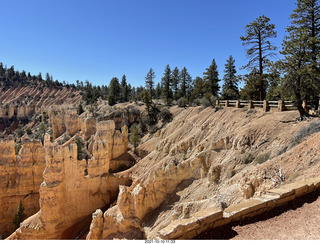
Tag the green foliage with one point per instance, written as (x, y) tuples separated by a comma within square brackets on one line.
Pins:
[(114, 90), (145, 97), (252, 86), (150, 82), (19, 216), (182, 102), (17, 148), (29, 131), (93, 109), (175, 82), (247, 158), (80, 148), (260, 159), (230, 89), (300, 65), (135, 137), (80, 109), (166, 115), (211, 78), (111, 100), (166, 85), (260, 48), (20, 132), (200, 88)]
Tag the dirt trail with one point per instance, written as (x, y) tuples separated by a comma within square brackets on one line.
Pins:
[(298, 220)]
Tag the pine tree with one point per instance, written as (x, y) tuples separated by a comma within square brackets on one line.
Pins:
[(252, 85), (124, 89), (260, 49), (175, 82), (150, 82), (199, 88), (19, 216), (114, 91), (211, 78), (158, 91), (80, 109), (230, 89), (301, 50), (166, 85), (135, 137), (185, 83)]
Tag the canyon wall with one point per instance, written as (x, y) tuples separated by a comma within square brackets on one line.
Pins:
[(72, 190), (20, 180)]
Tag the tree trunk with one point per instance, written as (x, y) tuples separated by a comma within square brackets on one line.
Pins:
[(261, 91), (297, 92)]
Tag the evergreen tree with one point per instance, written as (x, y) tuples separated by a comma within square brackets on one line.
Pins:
[(124, 89), (114, 91), (135, 137), (19, 216), (211, 78), (185, 83), (80, 109), (260, 49), (252, 85), (175, 82), (166, 85), (150, 82), (158, 90), (230, 89), (199, 88), (300, 49)]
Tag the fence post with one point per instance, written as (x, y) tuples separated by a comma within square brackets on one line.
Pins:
[(238, 104), (281, 106), (250, 104), (227, 103), (266, 107), (305, 106), (217, 103)]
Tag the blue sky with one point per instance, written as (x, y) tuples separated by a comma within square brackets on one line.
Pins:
[(99, 39)]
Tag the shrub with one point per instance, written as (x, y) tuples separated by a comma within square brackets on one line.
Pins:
[(19, 217), (165, 115), (205, 102), (17, 148), (182, 102), (29, 131), (260, 159), (247, 158), (80, 150)]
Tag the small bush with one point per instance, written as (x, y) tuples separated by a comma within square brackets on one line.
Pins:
[(182, 102), (165, 115), (260, 159), (17, 148), (205, 102), (247, 158), (29, 131)]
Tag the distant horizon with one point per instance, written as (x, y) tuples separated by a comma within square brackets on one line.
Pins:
[(98, 40)]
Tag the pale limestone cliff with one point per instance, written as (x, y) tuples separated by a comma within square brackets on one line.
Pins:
[(72, 190), (20, 180)]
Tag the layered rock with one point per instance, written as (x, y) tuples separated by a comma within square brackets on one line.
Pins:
[(72, 190), (20, 180)]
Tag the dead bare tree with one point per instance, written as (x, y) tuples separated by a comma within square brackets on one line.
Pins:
[(276, 174)]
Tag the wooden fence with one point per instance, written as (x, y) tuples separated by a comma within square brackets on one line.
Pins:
[(265, 105)]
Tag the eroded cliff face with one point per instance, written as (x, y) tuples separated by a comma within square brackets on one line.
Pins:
[(20, 180), (72, 190), (198, 163)]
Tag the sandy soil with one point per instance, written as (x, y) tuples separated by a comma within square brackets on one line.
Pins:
[(298, 220)]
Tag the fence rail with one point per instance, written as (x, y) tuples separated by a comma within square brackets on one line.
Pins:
[(265, 105)]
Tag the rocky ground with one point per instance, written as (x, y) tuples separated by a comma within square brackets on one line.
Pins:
[(298, 220)]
